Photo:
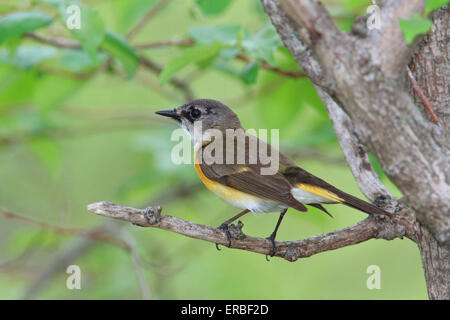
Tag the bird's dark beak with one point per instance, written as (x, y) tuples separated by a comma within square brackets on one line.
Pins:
[(169, 113)]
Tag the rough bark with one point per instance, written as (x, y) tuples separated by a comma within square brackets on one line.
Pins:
[(373, 227), (364, 74), (431, 69)]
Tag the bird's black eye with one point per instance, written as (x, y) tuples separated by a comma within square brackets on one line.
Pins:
[(195, 113)]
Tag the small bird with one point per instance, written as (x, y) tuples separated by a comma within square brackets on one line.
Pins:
[(242, 183)]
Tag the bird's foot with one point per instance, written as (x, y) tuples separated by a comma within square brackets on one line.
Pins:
[(225, 228), (231, 231), (271, 238)]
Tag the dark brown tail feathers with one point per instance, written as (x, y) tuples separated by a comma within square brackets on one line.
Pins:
[(362, 205)]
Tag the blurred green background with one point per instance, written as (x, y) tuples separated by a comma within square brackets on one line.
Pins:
[(77, 126)]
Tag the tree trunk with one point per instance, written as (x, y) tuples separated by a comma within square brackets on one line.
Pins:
[(431, 69), (365, 74)]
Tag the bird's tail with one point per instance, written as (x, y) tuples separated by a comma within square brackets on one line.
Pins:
[(361, 205)]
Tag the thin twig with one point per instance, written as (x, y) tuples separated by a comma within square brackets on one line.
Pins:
[(266, 66), (166, 43), (145, 62), (94, 234), (65, 257), (65, 43), (240, 56), (55, 42), (180, 84), (149, 15), (137, 264), (421, 95)]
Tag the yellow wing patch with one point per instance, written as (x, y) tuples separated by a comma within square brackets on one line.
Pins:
[(319, 191)]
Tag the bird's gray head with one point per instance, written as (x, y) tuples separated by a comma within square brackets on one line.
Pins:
[(211, 114)]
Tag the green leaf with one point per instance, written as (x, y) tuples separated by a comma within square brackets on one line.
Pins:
[(227, 68), (92, 31), (263, 44), (79, 61), (117, 46), (431, 5), (229, 53), (190, 56), (250, 72), (16, 86), (212, 7), (279, 108), (18, 23), (414, 26), (227, 35), (6, 8), (13, 44), (285, 97), (26, 57)]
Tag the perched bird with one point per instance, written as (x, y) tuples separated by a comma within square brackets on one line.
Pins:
[(241, 181)]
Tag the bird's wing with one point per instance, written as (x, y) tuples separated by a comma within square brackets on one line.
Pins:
[(245, 175), (246, 178)]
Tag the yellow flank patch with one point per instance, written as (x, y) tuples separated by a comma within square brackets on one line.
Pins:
[(319, 191), (207, 182), (221, 190), (234, 197)]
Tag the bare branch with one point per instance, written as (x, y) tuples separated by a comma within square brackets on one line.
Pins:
[(166, 43), (55, 42), (94, 234), (356, 156), (387, 45), (370, 228)]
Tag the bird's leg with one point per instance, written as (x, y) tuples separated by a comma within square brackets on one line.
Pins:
[(271, 238), (224, 227)]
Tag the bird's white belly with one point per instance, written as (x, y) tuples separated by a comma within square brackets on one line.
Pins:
[(252, 203), (307, 197)]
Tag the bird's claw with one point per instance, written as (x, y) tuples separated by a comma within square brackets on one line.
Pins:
[(271, 238), (225, 228)]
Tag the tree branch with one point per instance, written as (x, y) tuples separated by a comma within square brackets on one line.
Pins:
[(356, 156), (370, 228), (95, 234), (145, 62), (148, 16)]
